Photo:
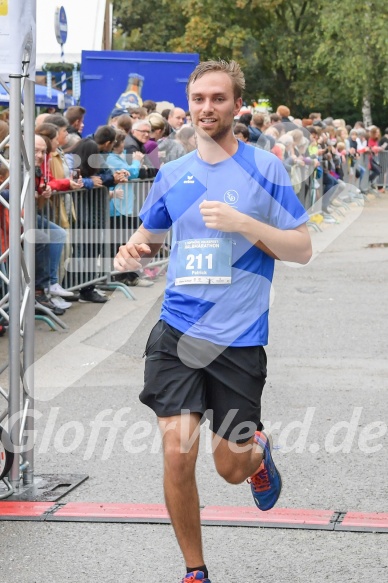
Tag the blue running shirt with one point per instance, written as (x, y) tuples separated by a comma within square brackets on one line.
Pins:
[(255, 183)]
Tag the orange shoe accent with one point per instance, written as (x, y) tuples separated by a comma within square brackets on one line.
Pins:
[(260, 480), (193, 577)]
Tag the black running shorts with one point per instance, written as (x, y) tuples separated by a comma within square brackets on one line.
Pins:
[(227, 391)]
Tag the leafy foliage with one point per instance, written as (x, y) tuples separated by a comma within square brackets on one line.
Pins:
[(308, 54), (59, 67), (354, 46), (146, 25)]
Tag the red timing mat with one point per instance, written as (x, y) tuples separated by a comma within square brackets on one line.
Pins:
[(210, 515)]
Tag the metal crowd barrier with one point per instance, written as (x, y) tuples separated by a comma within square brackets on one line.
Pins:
[(363, 181), (84, 216), (356, 172), (122, 225), (96, 228), (361, 165), (383, 178)]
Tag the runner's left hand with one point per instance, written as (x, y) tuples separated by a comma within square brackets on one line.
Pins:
[(219, 216)]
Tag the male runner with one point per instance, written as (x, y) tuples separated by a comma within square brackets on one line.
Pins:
[(233, 212)]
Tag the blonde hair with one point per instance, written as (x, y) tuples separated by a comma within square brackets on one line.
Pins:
[(157, 121), (342, 132)]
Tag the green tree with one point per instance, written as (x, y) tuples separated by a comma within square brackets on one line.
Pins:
[(307, 54), (354, 50), (146, 25), (274, 40)]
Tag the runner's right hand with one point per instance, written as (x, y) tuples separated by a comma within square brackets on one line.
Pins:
[(129, 256)]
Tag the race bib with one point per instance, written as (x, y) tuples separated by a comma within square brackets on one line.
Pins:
[(204, 261)]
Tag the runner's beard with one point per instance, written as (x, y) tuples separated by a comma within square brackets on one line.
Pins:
[(217, 136)]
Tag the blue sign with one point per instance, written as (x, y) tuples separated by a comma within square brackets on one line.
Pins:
[(61, 25)]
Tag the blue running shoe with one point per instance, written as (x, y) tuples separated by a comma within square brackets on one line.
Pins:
[(195, 576), (266, 483)]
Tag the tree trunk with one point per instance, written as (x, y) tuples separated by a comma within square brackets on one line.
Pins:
[(366, 111)]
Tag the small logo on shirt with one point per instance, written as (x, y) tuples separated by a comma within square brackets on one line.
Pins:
[(231, 197), (189, 180)]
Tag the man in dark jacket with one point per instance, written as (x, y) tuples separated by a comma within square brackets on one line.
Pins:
[(257, 127), (134, 142)]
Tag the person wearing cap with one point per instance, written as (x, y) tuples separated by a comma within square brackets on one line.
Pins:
[(115, 114)]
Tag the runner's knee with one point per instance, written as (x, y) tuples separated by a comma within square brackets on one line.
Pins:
[(178, 461)]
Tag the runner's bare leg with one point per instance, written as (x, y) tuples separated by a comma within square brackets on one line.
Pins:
[(180, 444)]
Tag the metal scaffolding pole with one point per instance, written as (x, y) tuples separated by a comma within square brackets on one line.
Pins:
[(29, 253), (15, 257)]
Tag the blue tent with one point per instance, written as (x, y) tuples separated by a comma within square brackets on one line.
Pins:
[(56, 99)]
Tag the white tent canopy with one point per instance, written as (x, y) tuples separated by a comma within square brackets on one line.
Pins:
[(85, 21)]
